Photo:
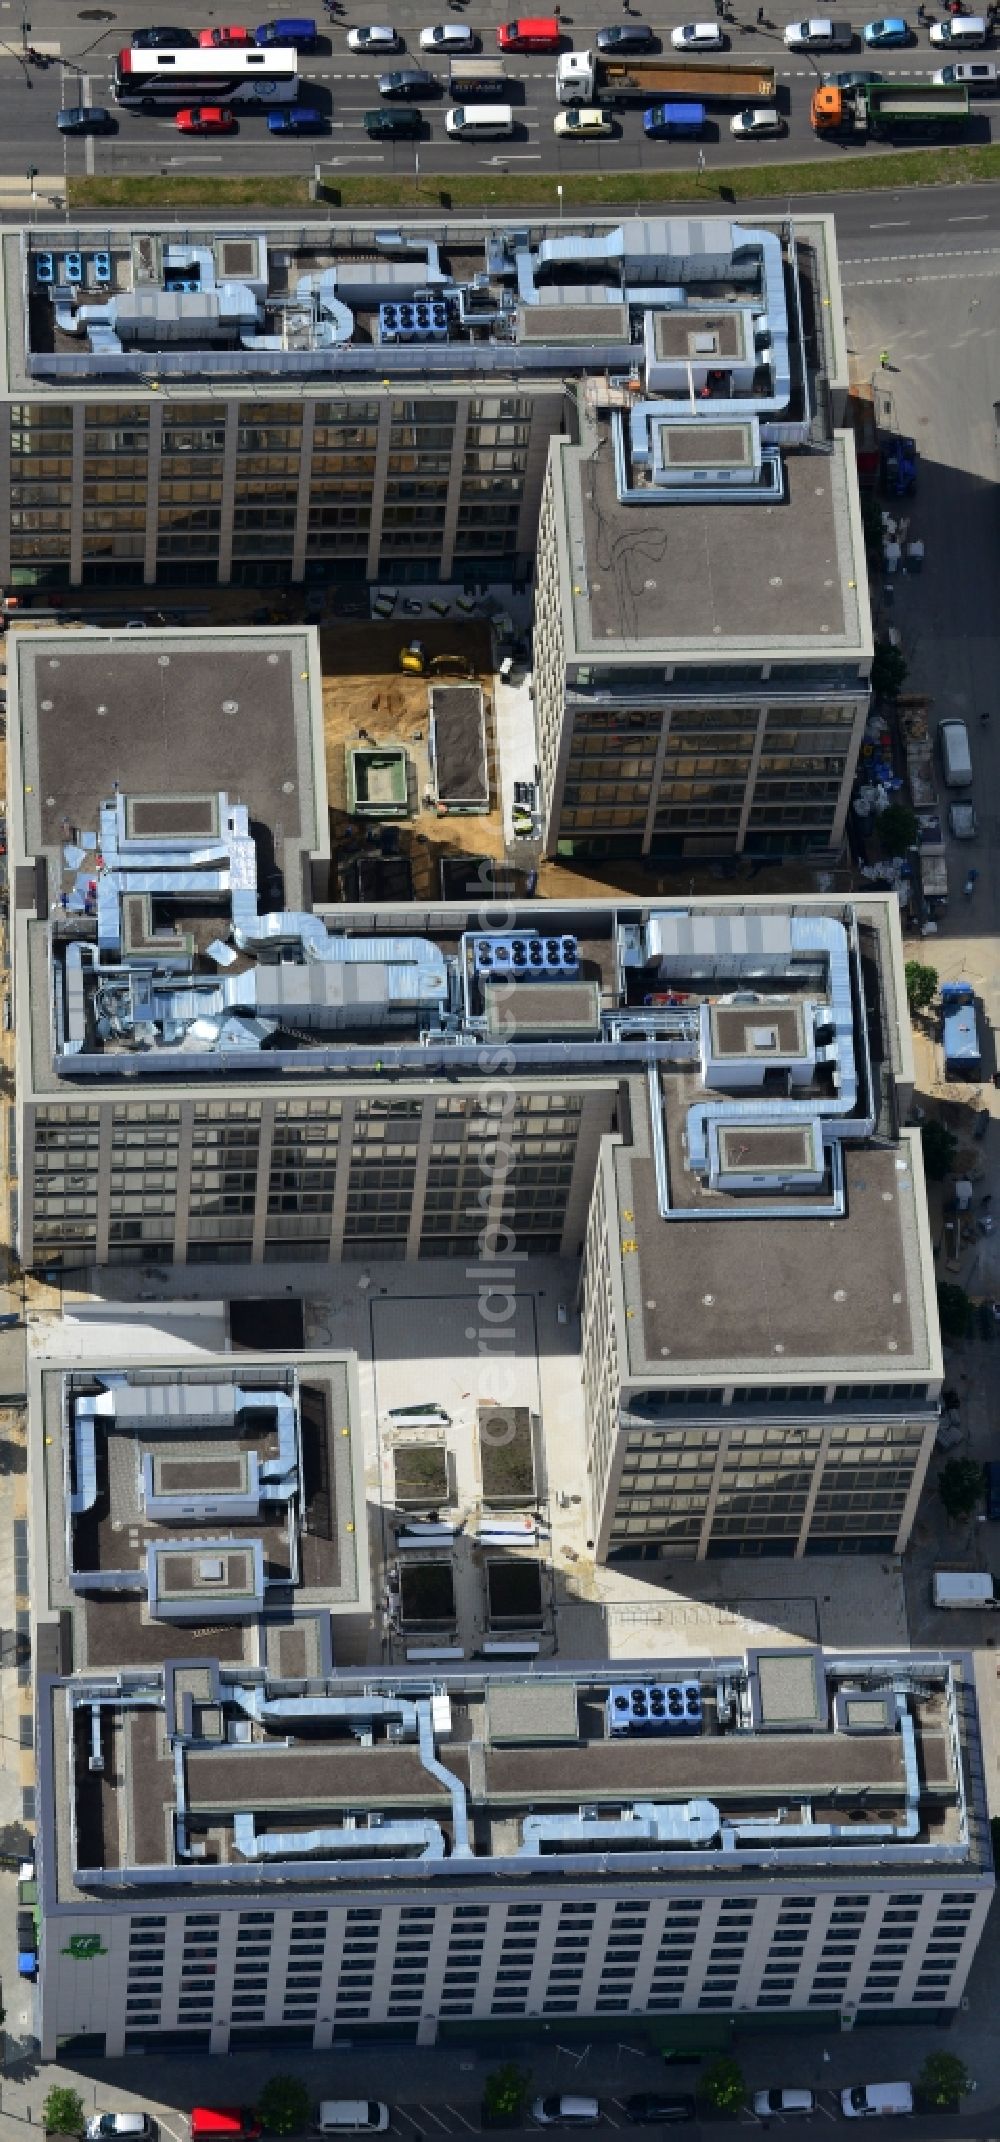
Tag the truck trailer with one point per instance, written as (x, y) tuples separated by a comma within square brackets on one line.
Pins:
[(884, 108), (588, 78)]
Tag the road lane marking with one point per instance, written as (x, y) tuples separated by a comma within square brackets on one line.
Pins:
[(889, 226), (968, 219)]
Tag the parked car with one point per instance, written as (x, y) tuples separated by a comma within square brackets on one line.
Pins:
[(448, 37), (698, 37), (224, 2123), (962, 821), (753, 125), (649, 2108), (408, 82), (373, 37), (299, 31), (566, 2111), (789, 2103), (401, 125), (584, 122), (84, 119), (161, 36), (626, 37), (226, 33), (872, 2101), (818, 33), (351, 2116), (130, 2126), (296, 119), (892, 30), (206, 119)]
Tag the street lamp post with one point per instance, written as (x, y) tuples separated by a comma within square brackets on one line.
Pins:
[(559, 191), (31, 175)]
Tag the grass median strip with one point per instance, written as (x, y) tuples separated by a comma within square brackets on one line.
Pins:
[(591, 190)]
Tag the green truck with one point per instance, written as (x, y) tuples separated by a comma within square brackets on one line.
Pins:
[(889, 108)]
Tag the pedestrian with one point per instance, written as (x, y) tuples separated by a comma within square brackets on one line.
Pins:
[(760, 18), (883, 358)]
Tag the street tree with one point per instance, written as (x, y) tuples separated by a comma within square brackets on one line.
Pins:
[(960, 1486), (954, 1310), (940, 1146), (62, 2112), (943, 2081), (723, 2084), (284, 2105), (921, 983), (897, 829), (505, 2092)]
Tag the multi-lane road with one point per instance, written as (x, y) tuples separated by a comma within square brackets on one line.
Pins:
[(83, 39)]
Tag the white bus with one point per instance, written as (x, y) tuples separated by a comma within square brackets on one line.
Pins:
[(145, 79)]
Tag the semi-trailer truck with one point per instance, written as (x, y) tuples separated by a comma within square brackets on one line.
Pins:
[(889, 108), (588, 78)]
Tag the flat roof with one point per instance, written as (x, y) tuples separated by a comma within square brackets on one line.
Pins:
[(314, 1544), (684, 577), (777, 1296), (360, 1787), (161, 713)]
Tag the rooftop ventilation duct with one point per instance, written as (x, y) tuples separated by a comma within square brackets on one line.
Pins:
[(694, 1824)]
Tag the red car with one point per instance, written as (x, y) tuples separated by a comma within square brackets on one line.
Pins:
[(228, 33), (206, 119)]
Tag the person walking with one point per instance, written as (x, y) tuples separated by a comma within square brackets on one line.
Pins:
[(883, 358)]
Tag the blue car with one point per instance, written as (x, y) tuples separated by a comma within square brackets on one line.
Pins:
[(892, 31), (296, 119)]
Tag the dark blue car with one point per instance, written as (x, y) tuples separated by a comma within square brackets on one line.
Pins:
[(296, 119), (297, 30)]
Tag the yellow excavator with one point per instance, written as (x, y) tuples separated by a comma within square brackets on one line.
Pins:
[(416, 661)]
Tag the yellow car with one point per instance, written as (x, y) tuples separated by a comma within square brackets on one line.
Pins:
[(583, 122)]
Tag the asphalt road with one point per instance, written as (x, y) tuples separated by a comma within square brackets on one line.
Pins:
[(83, 42)]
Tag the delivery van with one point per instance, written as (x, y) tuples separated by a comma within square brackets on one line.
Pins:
[(875, 2101), (956, 758), (531, 33), (482, 121), (964, 1588)]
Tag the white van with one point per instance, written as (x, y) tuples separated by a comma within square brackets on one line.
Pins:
[(956, 758), (964, 1588), (351, 2116), (484, 120), (980, 77), (872, 2101), (960, 32)]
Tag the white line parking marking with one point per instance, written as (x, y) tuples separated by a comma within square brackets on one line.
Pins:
[(473, 2129), (429, 2115)]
